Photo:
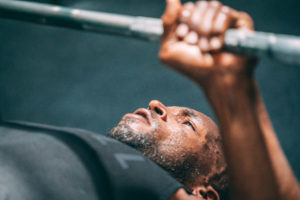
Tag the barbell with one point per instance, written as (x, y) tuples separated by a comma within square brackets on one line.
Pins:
[(284, 48)]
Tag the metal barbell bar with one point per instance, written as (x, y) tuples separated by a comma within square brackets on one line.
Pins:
[(284, 48)]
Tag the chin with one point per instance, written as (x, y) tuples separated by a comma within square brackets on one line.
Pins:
[(128, 134)]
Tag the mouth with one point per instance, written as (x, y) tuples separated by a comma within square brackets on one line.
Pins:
[(141, 114)]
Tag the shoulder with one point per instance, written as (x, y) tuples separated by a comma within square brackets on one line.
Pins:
[(81, 157)]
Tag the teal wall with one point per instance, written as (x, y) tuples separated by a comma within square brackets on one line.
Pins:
[(69, 78)]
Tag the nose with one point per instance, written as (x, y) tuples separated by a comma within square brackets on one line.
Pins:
[(159, 108)]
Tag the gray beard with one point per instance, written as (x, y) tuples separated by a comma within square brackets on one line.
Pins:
[(181, 167), (140, 141)]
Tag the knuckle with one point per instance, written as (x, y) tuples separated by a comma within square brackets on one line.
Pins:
[(215, 3), (185, 15), (225, 9), (188, 5), (215, 43), (201, 3)]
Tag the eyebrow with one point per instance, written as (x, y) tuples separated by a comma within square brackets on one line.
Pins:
[(188, 112)]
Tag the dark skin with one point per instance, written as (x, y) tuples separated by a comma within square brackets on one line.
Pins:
[(177, 131), (171, 123), (192, 44)]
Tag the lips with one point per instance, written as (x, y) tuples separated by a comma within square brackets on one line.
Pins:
[(141, 114), (145, 113)]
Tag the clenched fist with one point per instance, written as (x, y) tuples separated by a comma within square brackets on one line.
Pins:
[(193, 41)]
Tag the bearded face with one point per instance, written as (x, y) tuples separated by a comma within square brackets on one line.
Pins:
[(173, 137)]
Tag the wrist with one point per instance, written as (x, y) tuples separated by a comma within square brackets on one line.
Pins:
[(232, 96), (227, 81)]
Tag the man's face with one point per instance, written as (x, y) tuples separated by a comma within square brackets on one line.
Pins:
[(173, 137)]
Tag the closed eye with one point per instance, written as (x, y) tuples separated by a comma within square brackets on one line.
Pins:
[(190, 124)]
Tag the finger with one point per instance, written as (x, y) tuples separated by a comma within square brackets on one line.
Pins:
[(186, 12), (222, 22), (203, 44), (169, 18), (216, 43), (182, 54), (182, 30), (191, 38), (197, 15), (208, 60), (242, 20), (205, 26)]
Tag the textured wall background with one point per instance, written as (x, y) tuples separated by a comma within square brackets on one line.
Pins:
[(70, 78)]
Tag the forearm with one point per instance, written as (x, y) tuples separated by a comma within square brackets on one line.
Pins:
[(226, 78), (289, 187), (249, 163)]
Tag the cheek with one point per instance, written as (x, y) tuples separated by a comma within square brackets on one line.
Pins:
[(180, 141), (170, 134), (173, 141), (175, 129)]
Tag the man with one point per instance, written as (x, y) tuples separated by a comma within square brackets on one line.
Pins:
[(185, 142)]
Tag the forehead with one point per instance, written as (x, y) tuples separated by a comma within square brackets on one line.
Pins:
[(176, 110)]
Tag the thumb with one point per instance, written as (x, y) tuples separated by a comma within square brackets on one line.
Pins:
[(242, 20), (172, 11)]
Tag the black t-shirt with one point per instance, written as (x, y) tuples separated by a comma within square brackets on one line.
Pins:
[(40, 162)]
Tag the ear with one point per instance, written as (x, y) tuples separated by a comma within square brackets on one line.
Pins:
[(208, 193)]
